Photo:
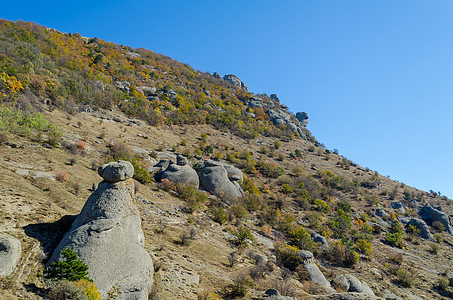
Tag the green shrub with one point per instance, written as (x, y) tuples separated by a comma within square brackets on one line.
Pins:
[(65, 290), (193, 197), (394, 239), (365, 247), (404, 277), (241, 285), (89, 289), (241, 235), (321, 205), (219, 215), (300, 238), (287, 189), (69, 268), (140, 174), (438, 238), (439, 226), (441, 283)]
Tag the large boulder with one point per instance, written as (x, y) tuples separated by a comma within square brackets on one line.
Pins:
[(184, 175), (314, 274), (214, 178), (424, 229), (430, 215), (10, 250), (108, 238)]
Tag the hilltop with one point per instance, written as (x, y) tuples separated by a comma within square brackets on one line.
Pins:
[(71, 104)]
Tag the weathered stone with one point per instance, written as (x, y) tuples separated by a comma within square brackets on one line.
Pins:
[(116, 171), (214, 178), (314, 273), (341, 283), (366, 289), (181, 160), (233, 79), (107, 236), (354, 284), (424, 229), (184, 175), (322, 241), (217, 75), (430, 215), (10, 251)]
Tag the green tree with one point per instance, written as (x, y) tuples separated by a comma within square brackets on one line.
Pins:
[(70, 268)]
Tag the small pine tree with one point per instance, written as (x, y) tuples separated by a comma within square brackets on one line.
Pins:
[(70, 268)]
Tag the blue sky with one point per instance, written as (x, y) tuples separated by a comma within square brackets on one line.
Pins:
[(375, 77)]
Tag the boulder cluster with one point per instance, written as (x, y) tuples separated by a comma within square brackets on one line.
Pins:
[(108, 238), (216, 177)]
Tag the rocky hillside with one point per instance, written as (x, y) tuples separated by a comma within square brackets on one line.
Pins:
[(234, 197)]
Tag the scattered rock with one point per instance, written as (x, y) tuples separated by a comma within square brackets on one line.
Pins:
[(430, 215), (317, 238), (420, 224), (109, 227), (10, 252), (181, 160), (341, 283)]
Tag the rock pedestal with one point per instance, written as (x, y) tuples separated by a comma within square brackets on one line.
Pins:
[(108, 238)]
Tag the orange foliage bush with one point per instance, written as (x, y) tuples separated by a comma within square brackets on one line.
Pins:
[(62, 176)]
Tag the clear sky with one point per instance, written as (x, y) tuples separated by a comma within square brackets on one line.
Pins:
[(374, 76)]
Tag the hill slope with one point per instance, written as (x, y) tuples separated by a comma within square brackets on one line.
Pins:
[(108, 101)]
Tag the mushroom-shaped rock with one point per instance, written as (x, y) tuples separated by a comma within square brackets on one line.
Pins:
[(214, 178), (116, 171), (184, 175), (429, 214), (314, 273), (424, 229), (10, 250), (108, 238)]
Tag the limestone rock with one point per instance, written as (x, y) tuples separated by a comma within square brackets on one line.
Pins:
[(116, 171), (420, 224), (341, 283), (430, 215), (317, 238), (314, 273), (233, 79), (107, 236), (354, 284), (214, 178), (184, 175), (181, 160), (10, 251)]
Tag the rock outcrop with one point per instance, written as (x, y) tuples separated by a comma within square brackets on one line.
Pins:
[(107, 236), (302, 117), (424, 229), (214, 178), (234, 80), (10, 251), (430, 214)]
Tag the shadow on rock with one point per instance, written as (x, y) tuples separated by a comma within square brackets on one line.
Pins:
[(49, 234)]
